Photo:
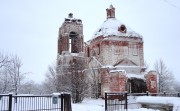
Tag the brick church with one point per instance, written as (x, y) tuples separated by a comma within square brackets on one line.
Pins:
[(114, 55)]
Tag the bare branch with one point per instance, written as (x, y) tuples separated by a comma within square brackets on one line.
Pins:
[(165, 77)]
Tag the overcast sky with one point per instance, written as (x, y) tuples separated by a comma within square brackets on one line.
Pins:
[(29, 28)]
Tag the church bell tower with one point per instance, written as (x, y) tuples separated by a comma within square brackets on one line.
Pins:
[(70, 36)]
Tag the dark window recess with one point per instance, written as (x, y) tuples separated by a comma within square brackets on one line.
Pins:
[(67, 20), (99, 89), (79, 20), (73, 20), (73, 42), (88, 52), (99, 50), (122, 29)]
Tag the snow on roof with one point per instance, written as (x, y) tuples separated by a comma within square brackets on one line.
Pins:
[(111, 26), (117, 71), (138, 76), (175, 101), (71, 19), (119, 38), (118, 66), (129, 75), (56, 94), (108, 66), (111, 6)]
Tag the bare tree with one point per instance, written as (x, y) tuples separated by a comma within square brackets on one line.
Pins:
[(165, 77), (50, 83), (4, 77), (94, 74), (79, 83), (28, 87), (4, 59), (5, 81), (177, 86), (146, 65), (73, 79), (14, 71), (10, 73)]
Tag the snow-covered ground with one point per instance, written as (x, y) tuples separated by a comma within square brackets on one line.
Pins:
[(89, 104), (171, 101), (98, 105)]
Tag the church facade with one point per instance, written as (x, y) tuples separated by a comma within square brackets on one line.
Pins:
[(114, 56)]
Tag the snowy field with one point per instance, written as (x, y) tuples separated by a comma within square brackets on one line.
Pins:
[(98, 104)]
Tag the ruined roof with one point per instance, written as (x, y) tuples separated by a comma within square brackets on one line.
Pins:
[(111, 6), (112, 27)]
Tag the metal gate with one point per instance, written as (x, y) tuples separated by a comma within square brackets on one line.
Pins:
[(122, 101), (116, 101), (11, 102)]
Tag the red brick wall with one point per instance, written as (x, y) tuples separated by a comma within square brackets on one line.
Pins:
[(116, 49), (112, 82), (117, 82), (151, 81), (63, 37)]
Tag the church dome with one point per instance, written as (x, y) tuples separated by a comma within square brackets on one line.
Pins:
[(113, 27)]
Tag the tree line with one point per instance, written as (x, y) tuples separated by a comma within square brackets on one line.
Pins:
[(13, 79)]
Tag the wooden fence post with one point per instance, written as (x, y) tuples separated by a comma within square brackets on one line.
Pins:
[(62, 101), (147, 93), (67, 102), (126, 101), (164, 93), (10, 102), (105, 101)]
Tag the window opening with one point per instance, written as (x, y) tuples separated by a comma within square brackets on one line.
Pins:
[(73, 42)]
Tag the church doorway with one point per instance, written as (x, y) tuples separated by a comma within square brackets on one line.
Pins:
[(135, 85)]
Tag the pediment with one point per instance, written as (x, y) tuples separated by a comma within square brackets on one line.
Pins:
[(125, 62)]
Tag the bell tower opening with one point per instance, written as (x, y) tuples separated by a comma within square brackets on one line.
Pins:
[(73, 42), (70, 36)]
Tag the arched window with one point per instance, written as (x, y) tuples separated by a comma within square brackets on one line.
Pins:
[(98, 50), (73, 42), (88, 52)]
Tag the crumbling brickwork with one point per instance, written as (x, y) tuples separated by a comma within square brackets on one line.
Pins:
[(151, 81), (70, 36), (115, 53)]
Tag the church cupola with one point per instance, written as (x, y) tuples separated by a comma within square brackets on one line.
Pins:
[(70, 15), (110, 12)]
